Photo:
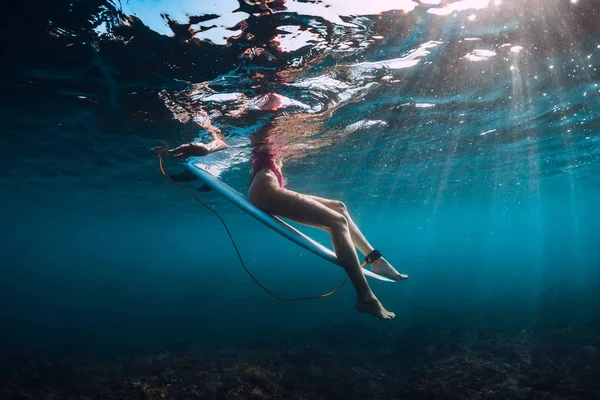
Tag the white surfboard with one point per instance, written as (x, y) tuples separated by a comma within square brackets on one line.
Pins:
[(277, 224)]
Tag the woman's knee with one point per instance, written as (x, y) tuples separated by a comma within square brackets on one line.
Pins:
[(339, 207), (337, 222)]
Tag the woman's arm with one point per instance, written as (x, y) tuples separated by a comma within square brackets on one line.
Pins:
[(197, 149)]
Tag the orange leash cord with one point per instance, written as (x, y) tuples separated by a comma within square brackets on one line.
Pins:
[(160, 164)]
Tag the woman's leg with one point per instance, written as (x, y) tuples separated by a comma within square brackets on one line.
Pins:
[(381, 266), (301, 208), (358, 238)]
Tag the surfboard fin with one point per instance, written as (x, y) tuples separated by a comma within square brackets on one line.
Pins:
[(184, 176)]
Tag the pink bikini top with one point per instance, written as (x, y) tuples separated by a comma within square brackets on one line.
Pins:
[(263, 157), (263, 154)]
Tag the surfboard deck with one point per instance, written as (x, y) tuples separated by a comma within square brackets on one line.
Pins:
[(200, 170)]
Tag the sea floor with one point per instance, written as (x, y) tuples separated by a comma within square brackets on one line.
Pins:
[(422, 362)]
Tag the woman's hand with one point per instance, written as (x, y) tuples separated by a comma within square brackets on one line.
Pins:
[(193, 149)]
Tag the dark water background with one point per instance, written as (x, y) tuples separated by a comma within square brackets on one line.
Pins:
[(478, 178)]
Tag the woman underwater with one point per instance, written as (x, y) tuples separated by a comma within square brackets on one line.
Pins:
[(267, 191)]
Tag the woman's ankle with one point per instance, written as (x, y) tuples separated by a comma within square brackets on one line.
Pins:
[(368, 298)]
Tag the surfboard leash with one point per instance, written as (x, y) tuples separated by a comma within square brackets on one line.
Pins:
[(319, 296)]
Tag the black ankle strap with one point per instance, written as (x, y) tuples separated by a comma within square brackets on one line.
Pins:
[(372, 256)]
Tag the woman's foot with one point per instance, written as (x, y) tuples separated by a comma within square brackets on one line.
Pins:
[(375, 308), (384, 268)]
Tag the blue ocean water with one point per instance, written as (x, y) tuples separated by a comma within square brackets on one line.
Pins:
[(463, 137)]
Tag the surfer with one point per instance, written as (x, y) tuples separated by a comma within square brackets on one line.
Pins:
[(267, 191)]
